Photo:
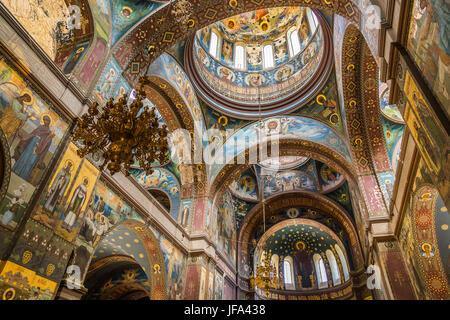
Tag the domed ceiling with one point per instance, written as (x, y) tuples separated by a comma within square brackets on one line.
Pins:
[(263, 62), (299, 235)]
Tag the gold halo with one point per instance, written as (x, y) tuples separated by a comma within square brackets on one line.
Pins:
[(191, 23), (225, 119), (47, 115), (30, 94), (232, 22), (264, 24), (300, 243), (426, 244), (127, 8), (321, 99), (233, 3), (9, 290)]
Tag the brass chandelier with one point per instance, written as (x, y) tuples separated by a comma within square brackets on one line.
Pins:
[(265, 277), (124, 134)]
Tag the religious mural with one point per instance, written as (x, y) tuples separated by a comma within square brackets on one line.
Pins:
[(107, 81), (393, 134), (168, 68), (226, 227), (424, 238), (34, 131), (429, 47), (164, 180), (271, 84), (280, 128), (325, 107), (127, 13), (245, 187), (53, 27), (428, 133), (288, 181)]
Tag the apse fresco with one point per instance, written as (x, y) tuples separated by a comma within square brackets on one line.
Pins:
[(48, 23), (298, 240), (168, 68), (164, 180), (429, 47), (34, 132), (127, 13), (424, 238), (280, 128)]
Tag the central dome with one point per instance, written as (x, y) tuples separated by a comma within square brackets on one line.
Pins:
[(267, 62)]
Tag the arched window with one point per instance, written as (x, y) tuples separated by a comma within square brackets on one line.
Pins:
[(294, 42), (274, 260), (214, 45), (321, 271), (239, 59), (313, 23), (268, 57), (343, 262), (334, 268), (288, 273)]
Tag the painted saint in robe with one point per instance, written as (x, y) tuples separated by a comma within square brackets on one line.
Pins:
[(15, 115), (75, 205), (185, 216), (58, 187), (33, 149)]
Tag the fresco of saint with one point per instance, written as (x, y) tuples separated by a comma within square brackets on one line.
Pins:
[(32, 150)]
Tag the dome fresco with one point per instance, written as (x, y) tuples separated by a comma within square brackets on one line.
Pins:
[(243, 76)]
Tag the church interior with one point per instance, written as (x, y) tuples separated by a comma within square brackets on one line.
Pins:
[(224, 150)]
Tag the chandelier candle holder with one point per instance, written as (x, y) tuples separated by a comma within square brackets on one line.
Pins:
[(124, 133), (265, 277)]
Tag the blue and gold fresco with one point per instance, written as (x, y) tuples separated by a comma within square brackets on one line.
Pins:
[(169, 69), (393, 134), (161, 179), (127, 13), (288, 127)]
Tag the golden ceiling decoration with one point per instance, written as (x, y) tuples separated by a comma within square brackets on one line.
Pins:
[(124, 133)]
